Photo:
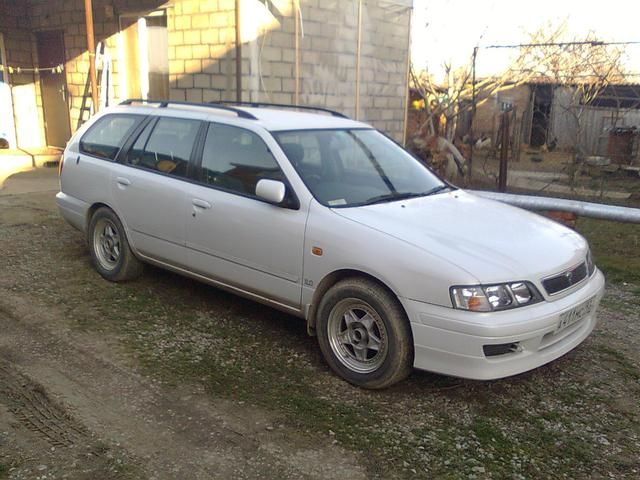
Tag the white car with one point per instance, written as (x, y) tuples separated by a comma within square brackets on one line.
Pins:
[(326, 218)]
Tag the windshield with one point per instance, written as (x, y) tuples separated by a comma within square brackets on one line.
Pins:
[(346, 168)]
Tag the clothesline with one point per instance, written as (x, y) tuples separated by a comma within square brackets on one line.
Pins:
[(12, 70)]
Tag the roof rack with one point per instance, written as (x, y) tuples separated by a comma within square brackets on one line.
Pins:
[(281, 105), (165, 103)]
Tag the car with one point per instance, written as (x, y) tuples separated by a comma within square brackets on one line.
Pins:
[(328, 219)]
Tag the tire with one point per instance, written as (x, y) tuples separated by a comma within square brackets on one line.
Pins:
[(110, 252), (364, 334)]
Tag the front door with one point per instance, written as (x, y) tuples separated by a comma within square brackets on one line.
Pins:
[(233, 236), (53, 86)]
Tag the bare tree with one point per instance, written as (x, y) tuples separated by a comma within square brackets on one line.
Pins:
[(580, 68), (585, 66)]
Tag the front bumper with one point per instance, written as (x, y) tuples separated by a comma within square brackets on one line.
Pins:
[(451, 341)]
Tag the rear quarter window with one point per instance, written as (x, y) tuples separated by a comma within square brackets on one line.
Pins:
[(105, 138)]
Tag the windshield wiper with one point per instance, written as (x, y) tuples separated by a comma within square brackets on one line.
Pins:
[(437, 189), (392, 197)]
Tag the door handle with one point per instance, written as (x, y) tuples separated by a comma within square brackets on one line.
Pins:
[(201, 203), (123, 181)]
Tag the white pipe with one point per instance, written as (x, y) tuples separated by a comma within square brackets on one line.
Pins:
[(582, 209)]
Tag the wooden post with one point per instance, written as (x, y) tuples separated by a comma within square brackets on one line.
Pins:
[(472, 132), (238, 54), (91, 47), (504, 151)]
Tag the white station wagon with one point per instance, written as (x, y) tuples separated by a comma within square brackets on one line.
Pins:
[(328, 219)]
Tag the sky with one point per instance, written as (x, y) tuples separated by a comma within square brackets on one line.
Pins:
[(447, 30)]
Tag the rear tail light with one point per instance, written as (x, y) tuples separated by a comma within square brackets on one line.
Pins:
[(60, 165)]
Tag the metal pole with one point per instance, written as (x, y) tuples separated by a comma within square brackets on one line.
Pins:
[(91, 47), (473, 108), (238, 54), (358, 60), (582, 209)]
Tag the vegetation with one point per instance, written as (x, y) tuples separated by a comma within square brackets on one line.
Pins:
[(616, 248)]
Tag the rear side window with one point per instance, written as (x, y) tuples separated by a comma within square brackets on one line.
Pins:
[(165, 147), (236, 159), (105, 138)]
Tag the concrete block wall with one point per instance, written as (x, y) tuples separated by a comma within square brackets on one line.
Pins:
[(383, 66), (201, 51)]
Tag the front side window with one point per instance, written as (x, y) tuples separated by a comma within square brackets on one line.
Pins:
[(354, 167), (166, 146), (236, 159), (105, 138)]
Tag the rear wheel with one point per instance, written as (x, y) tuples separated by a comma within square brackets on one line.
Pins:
[(364, 334), (110, 252)]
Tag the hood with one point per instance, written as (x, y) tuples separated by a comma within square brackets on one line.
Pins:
[(492, 241)]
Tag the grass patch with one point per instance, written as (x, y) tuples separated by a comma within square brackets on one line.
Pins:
[(622, 363), (616, 248)]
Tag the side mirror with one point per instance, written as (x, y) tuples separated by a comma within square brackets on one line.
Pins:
[(273, 191)]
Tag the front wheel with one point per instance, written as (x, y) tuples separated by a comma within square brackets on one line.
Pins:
[(364, 334), (110, 252)]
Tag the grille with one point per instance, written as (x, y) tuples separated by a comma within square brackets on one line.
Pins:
[(565, 280)]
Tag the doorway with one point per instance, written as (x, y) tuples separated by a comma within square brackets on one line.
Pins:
[(53, 86), (542, 100), (7, 127)]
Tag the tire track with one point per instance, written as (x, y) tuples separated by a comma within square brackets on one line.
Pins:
[(36, 411)]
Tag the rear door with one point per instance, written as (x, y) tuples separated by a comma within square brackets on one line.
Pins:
[(232, 235), (88, 163), (148, 187)]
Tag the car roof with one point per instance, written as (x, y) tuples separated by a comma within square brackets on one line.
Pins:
[(270, 118), (288, 119)]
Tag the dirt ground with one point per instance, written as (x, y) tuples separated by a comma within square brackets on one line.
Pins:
[(72, 405), (165, 378)]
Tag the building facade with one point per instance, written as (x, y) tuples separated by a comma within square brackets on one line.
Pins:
[(348, 55)]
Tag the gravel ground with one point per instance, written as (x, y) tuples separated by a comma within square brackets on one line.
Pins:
[(168, 378)]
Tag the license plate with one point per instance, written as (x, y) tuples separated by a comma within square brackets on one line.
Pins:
[(575, 315)]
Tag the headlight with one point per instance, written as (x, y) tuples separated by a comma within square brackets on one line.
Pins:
[(488, 298)]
